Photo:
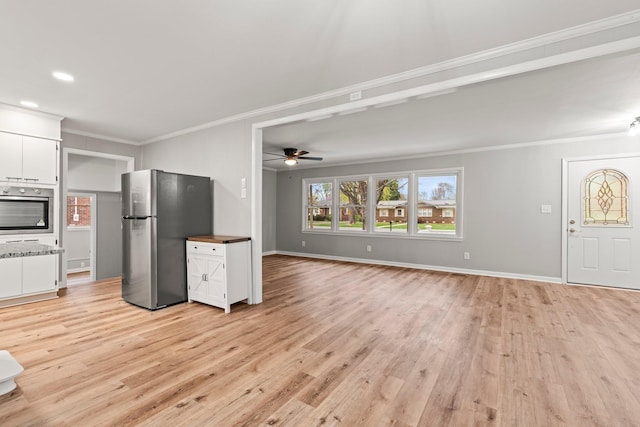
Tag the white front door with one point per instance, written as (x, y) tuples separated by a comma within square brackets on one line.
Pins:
[(603, 222)]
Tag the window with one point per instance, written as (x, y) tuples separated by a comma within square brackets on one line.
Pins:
[(391, 194), (425, 212), (318, 206), (425, 204), (606, 198), (353, 205), (78, 211), (439, 191)]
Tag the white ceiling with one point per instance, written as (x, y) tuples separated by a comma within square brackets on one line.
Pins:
[(145, 69)]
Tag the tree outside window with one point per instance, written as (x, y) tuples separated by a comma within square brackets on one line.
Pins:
[(319, 200), (390, 194), (353, 205)]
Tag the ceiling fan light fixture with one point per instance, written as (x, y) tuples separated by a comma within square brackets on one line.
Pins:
[(634, 127), (291, 161)]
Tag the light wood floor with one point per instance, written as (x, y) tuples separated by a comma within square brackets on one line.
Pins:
[(332, 344)]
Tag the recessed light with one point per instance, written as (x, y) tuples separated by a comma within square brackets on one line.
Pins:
[(29, 104), (63, 76)]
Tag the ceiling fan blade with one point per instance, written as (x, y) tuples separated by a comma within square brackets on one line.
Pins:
[(300, 153), (310, 158), (275, 154), (269, 160)]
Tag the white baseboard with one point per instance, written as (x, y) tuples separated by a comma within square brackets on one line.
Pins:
[(267, 253), (548, 279)]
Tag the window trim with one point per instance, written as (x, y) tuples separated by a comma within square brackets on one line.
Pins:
[(410, 211)]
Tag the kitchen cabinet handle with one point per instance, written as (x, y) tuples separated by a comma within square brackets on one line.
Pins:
[(32, 179), (17, 178)]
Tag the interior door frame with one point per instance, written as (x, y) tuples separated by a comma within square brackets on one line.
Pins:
[(64, 190), (565, 202)]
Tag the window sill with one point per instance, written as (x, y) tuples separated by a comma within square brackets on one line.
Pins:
[(420, 236)]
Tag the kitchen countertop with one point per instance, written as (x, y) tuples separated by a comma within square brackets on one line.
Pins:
[(218, 239), (22, 249)]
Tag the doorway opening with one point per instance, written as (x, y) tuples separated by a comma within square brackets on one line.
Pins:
[(80, 225)]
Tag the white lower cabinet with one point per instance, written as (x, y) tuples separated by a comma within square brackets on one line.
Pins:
[(11, 274), (27, 275), (39, 274), (218, 274)]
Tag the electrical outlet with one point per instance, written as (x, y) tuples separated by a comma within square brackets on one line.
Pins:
[(354, 96), (545, 209), (304, 243), (466, 255), (368, 248)]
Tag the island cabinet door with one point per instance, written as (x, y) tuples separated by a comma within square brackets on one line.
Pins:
[(10, 277), (206, 279), (38, 274)]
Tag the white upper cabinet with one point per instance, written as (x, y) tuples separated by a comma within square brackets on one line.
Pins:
[(28, 159), (39, 159), (11, 158)]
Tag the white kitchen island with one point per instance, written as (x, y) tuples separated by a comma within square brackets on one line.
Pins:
[(28, 272)]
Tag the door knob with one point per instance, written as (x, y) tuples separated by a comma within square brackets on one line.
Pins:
[(572, 222), (572, 230)]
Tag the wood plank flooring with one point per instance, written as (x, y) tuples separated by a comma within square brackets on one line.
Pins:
[(333, 344)]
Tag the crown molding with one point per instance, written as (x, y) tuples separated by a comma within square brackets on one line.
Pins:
[(474, 58), (98, 136), (30, 111)]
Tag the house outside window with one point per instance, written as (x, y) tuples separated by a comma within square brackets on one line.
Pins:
[(392, 194), (439, 190), (413, 203)]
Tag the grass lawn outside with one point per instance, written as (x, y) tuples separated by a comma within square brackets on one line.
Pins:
[(380, 226)]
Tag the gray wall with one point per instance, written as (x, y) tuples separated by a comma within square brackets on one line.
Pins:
[(269, 194), (504, 230), (108, 235), (222, 153), (78, 249)]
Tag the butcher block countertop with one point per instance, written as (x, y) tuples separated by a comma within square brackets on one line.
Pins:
[(22, 249), (218, 239)]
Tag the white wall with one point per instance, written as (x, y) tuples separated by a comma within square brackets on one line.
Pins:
[(94, 173)]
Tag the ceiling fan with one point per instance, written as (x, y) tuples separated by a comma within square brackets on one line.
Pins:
[(292, 155)]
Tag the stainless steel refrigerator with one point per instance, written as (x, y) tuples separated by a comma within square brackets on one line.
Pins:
[(159, 210)]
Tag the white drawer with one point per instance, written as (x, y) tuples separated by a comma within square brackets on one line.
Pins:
[(215, 249)]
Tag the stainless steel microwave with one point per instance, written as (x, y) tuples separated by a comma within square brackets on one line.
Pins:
[(26, 210)]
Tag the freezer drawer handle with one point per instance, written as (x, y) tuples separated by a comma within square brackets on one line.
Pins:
[(205, 277)]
